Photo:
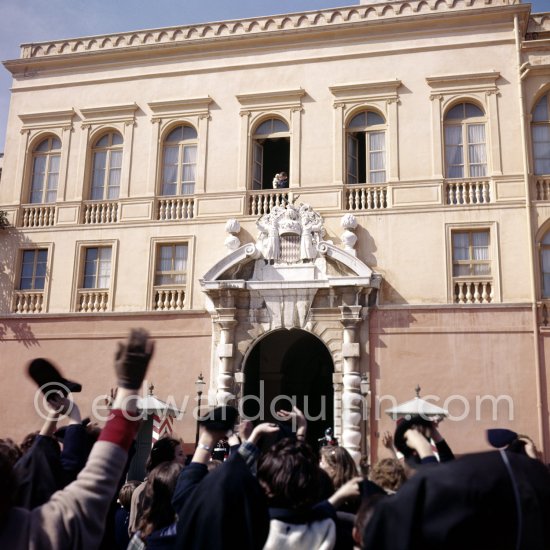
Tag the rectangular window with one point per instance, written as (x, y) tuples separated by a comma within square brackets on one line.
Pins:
[(97, 268), (471, 254), (33, 269), (454, 154), (171, 265), (377, 157)]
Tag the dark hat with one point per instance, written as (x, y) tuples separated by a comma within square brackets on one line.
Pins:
[(500, 437), (404, 425), (48, 378), (220, 418)]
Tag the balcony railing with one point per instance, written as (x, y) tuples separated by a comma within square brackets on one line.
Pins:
[(37, 215), (463, 193), (28, 301), (169, 299), (175, 208), (92, 301), (366, 197), (100, 212), (262, 202), (542, 188), (473, 291)]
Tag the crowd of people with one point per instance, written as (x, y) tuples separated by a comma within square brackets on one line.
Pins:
[(67, 488)]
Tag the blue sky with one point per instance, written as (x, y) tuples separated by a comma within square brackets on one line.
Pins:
[(31, 21)]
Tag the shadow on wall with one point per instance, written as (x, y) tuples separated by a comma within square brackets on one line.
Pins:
[(12, 326)]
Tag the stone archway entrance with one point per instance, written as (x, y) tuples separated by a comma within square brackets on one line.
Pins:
[(290, 367), (308, 299)]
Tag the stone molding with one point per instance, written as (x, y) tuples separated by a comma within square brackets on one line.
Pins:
[(252, 27)]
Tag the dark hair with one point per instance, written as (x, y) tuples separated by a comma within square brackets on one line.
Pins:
[(126, 492), (11, 449), (341, 466), (164, 450), (157, 502), (290, 474)]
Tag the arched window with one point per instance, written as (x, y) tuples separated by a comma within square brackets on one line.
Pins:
[(545, 264), (270, 152), (366, 148), (179, 161), (106, 165), (465, 145), (540, 130), (45, 170)]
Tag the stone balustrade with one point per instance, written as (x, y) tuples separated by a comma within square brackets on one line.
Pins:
[(169, 299), (366, 197), (261, 202), (100, 212), (37, 215), (463, 193), (473, 291), (92, 300), (175, 208), (28, 301), (542, 188)]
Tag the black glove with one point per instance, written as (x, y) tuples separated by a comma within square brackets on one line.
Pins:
[(132, 358)]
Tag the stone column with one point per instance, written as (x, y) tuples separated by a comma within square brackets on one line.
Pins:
[(226, 379), (351, 395)]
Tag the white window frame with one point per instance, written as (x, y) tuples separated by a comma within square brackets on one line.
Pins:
[(155, 245), (368, 131), (96, 122), (494, 257), (107, 166), (464, 123), (79, 270), (35, 128), (49, 155), (165, 116), (260, 106), (182, 146), (49, 247), (535, 124), (479, 89), (380, 97)]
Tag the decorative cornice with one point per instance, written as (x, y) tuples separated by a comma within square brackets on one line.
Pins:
[(47, 119), (109, 114), (361, 92), (257, 26), (473, 82), (196, 106), (277, 99)]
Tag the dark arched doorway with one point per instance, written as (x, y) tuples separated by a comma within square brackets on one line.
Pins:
[(290, 366)]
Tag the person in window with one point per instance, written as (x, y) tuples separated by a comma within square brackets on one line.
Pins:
[(283, 180)]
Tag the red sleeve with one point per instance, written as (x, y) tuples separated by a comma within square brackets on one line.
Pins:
[(121, 428)]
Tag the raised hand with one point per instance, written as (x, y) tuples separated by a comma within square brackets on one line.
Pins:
[(132, 359)]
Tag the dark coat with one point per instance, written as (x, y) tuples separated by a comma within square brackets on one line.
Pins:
[(466, 503), (228, 507)]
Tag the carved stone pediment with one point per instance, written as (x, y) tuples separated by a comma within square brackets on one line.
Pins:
[(282, 272)]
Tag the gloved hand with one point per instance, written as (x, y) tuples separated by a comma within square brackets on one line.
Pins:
[(132, 358)]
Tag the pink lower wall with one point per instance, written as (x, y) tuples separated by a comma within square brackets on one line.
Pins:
[(458, 355), (83, 348)]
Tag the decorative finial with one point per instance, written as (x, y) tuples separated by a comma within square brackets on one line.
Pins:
[(417, 390), (151, 388)]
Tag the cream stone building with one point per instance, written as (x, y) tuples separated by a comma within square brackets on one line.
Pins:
[(411, 246)]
